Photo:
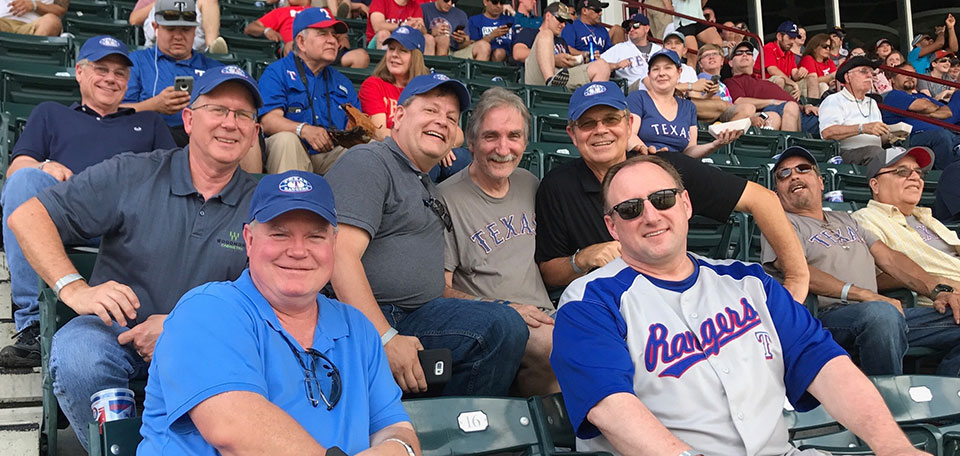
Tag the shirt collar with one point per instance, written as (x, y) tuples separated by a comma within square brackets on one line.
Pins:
[(331, 324), (588, 181), (93, 112), (395, 149), (181, 181), (849, 96), (888, 209)]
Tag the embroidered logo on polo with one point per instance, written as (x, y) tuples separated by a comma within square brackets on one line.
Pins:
[(292, 74), (109, 42), (233, 241), (295, 184), (680, 352), (594, 89)]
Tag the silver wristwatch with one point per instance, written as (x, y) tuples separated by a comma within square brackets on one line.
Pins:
[(64, 281)]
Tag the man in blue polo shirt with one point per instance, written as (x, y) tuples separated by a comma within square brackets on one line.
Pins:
[(274, 328), (59, 142), (587, 29), (169, 220), (304, 97), (155, 68), (905, 96), (493, 27)]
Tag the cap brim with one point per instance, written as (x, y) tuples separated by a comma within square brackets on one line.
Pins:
[(97, 56), (271, 212), (250, 86), (180, 23), (581, 110), (794, 151), (338, 27), (923, 155)]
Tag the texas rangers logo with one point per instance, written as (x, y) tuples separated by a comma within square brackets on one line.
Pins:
[(764, 338), (295, 184), (109, 42), (234, 70), (440, 77), (594, 89), (682, 351), (402, 30)]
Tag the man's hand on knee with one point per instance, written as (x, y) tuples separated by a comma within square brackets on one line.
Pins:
[(109, 301), (143, 337), (405, 363)]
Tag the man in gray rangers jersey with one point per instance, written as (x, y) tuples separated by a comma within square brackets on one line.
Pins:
[(721, 343)]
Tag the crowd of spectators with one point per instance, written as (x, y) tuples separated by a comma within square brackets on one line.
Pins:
[(465, 265)]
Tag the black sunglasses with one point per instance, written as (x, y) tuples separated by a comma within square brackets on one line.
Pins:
[(174, 15), (435, 204), (311, 379), (636, 25), (904, 171), (743, 52), (633, 208), (802, 168)]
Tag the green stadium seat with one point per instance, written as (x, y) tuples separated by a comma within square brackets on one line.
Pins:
[(36, 49), (758, 146), (115, 438), (258, 65), (550, 128), (123, 8), (710, 238), (376, 55), (753, 173), (473, 425), (90, 8), (17, 114), (554, 428), (356, 75), (800, 422), (489, 70), (555, 154), (855, 188), (923, 436), (85, 27), (33, 88), (821, 149), (831, 170), (232, 59), (450, 66), (532, 161), (543, 97), (705, 137), (248, 47), (5, 146), (232, 23), (476, 87), (249, 11), (920, 398)]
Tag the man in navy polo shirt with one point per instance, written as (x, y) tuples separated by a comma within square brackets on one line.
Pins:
[(304, 97), (59, 142), (274, 328), (494, 27), (587, 29), (169, 220)]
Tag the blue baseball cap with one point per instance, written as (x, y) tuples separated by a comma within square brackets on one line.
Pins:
[(316, 18), (794, 151), (427, 82), (668, 53), (595, 94), (639, 18), (213, 77), (789, 28), (101, 46), (408, 37), (277, 194)]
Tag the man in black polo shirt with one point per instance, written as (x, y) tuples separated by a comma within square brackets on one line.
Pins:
[(572, 238), (59, 142), (169, 220)]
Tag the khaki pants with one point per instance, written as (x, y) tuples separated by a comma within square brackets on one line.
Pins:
[(285, 151), (15, 26), (658, 20), (464, 53), (533, 76)]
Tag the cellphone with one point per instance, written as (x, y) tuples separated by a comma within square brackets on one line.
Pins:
[(459, 28), (715, 78), (183, 84), (437, 365), (763, 115)]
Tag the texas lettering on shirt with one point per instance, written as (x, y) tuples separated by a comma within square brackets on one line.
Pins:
[(497, 232)]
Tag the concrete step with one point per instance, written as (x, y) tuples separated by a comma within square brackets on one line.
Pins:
[(20, 385), (20, 439), (7, 331), (20, 413)]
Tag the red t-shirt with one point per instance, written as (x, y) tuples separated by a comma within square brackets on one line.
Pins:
[(281, 20), (392, 12), (818, 68), (745, 85), (379, 97), (774, 56)]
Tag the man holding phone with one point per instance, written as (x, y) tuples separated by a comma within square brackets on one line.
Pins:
[(447, 24), (493, 27)]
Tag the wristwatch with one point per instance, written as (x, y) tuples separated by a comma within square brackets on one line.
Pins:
[(940, 288), (70, 278)]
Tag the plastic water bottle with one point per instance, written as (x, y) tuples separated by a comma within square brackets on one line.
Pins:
[(591, 51)]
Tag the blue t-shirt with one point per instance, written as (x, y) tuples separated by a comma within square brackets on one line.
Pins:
[(282, 88), (655, 130), (522, 21), (154, 71), (902, 100), (579, 35), (433, 17), (920, 64), (481, 26), (74, 136), (247, 349)]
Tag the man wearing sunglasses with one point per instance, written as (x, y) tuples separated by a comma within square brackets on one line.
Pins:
[(493, 27), (572, 239), (939, 68), (636, 50), (586, 29), (284, 369), (843, 258), (894, 216), (550, 61), (721, 342), (169, 220)]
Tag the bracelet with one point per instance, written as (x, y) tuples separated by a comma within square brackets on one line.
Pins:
[(64, 281), (43, 163), (689, 86), (860, 129), (300, 128), (406, 446), (844, 291), (387, 336), (573, 262), (265, 30)]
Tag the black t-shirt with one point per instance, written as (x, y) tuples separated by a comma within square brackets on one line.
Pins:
[(570, 203)]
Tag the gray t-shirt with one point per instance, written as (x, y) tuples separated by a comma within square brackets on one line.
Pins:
[(159, 236), (379, 190), (934, 87), (491, 247), (931, 238), (837, 246)]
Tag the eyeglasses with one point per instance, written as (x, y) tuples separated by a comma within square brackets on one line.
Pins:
[(176, 15), (435, 204), (311, 379), (244, 118), (825, 46), (742, 52), (802, 168), (903, 171), (609, 121), (633, 208)]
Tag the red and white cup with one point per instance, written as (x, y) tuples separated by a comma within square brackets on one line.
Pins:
[(113, 404)]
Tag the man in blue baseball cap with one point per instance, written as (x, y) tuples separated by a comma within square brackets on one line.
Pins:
[(169, 220), (59, 142), (572, 238), (390, 258), (304, 97), (280, 353)]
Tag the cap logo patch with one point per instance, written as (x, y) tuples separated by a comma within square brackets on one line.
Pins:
[(403, 31), (440, 77), (295, 184), (324, 14), (594, 89), (234, 70), (109, 42)]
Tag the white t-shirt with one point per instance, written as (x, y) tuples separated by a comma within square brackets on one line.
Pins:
[(687, 7), (638, 60), (150, 36), (842, 108), (5, 12)]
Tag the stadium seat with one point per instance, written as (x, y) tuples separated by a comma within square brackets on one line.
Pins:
[(821, 149), (920, 398), (249, 11), (543, 97), (489, 70), (115, 438), (855, 187), (5, 146), (705, 137), (232, 23), (36, 49), (232, 59), (554, 428), (249, 47), (32, 88), (90, 8), (356, 76), (923, 436), (85, 27), (710, 238), (758, 146), (550, 128), (473, 425), (753, 173), (450, 66), (532, 161), (554, 154), (476, 87)]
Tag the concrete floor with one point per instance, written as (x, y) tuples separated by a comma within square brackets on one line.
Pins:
[(67, 443)]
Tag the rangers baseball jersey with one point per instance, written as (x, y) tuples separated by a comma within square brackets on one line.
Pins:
[(712, 356)]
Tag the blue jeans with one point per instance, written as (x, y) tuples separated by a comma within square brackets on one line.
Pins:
[(86, 358), (20, 187), (943, 142), (881, 335), (486, 339)]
